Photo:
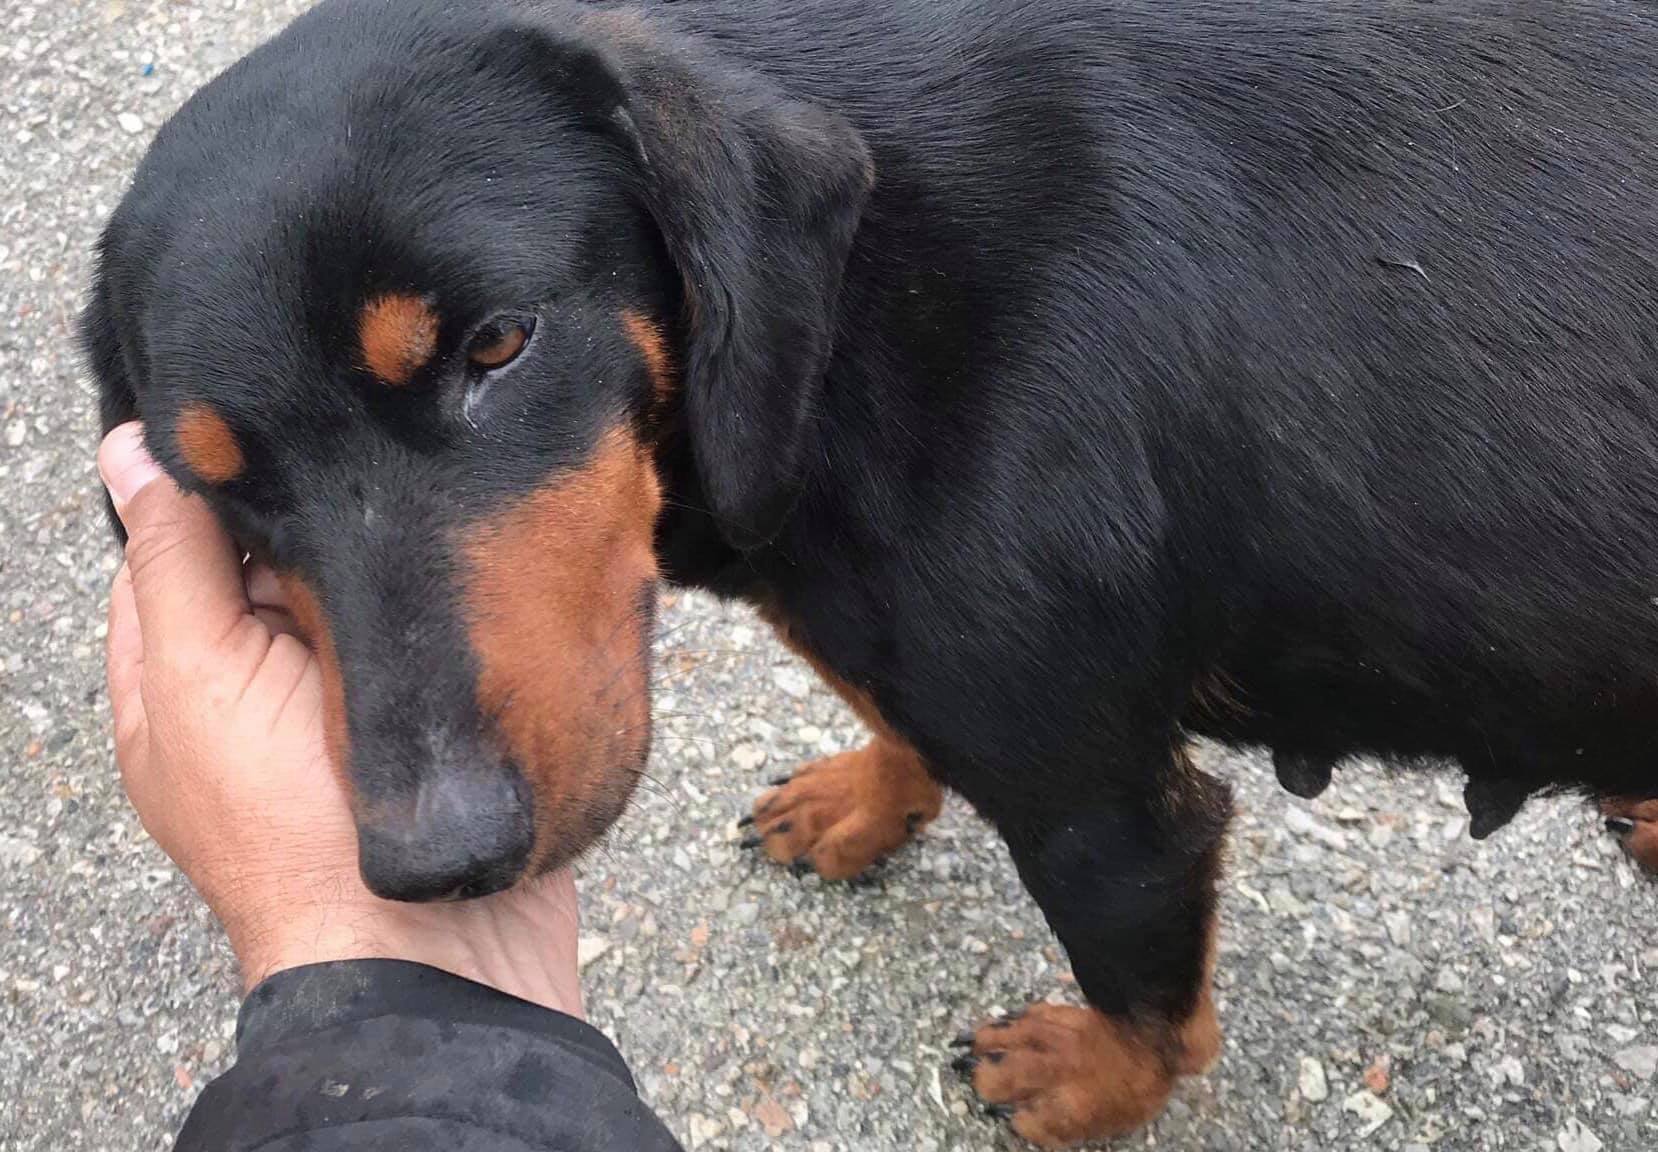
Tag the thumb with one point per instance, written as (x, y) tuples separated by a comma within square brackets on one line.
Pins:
[(125, 466), (186, 574)]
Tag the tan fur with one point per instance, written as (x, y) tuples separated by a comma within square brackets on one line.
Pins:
[(397, 335), (551, 591), (843, 813), (208, 446)]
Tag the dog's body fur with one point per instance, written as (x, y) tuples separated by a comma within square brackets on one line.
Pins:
[(1283, 372), (1310, 346)]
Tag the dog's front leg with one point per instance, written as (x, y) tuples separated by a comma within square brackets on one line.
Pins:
[(1635, 822), (843, 814), (1127, 880)]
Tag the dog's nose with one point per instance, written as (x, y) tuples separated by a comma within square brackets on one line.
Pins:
[(465, 834)]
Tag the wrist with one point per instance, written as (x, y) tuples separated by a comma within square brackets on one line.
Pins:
[(521, 942)]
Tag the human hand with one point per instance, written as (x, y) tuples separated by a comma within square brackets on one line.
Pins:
[(219, 737)]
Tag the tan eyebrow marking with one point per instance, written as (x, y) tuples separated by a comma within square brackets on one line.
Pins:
[(208, 445), (398, 336)]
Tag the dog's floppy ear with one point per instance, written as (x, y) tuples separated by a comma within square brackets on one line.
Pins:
[(757, 197)]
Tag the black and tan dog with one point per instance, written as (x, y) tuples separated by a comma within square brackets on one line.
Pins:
[(1062, 379)]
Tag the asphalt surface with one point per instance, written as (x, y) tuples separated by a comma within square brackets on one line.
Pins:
[(1385, 983)]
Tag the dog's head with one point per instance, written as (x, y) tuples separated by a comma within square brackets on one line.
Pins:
[(413, 296)]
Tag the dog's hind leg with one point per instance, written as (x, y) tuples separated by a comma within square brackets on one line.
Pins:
[(1128, 883), (842, 814)]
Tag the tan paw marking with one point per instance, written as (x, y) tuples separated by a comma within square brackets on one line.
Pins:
[(1636, 821), (842, 814), (1064, 1075)]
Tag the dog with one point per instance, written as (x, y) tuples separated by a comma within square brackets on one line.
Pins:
[(1063, 380)]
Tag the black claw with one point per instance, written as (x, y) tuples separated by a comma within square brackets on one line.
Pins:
[(965, 1064), (1620, 825), (965, 1040), (779, 781), (800, 866), (750, 842), (746, 821), (1000, 1111), (912, 821), (864, 880)]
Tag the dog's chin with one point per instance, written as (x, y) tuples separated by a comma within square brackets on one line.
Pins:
[(581, 820), (477, 891)]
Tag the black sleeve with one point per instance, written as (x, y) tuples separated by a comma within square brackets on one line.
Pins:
[(381, 1055)]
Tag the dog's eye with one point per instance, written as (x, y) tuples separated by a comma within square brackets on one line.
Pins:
[(499, 344)]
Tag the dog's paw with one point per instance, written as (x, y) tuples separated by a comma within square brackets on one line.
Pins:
[(1636, 824), (1062, 1075), (841, 815)]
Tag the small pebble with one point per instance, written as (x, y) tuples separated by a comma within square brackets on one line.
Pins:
[(589, 949), (17, 853), (1450, 1012), (793, 682), (1574, 1137), (748, 757), (703, 1129), (1371, 1111), (1313, 1085), (1639, 1061)]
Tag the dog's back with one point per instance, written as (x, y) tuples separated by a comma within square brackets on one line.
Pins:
[(1327, 328), (1430, 426)]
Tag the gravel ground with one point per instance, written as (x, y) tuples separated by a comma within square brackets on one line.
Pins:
[(1385, 982)]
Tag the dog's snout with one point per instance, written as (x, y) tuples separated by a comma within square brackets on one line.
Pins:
[(462, 834)]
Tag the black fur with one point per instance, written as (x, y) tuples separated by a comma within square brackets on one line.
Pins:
[(1308, 347)]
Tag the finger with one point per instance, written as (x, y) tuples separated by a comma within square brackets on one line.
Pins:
[(264, 587), (284, 704), (278, 623), (124, 664), (186, 572), (270, 602)]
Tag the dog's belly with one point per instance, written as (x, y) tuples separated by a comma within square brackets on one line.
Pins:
[(1589, 729)]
